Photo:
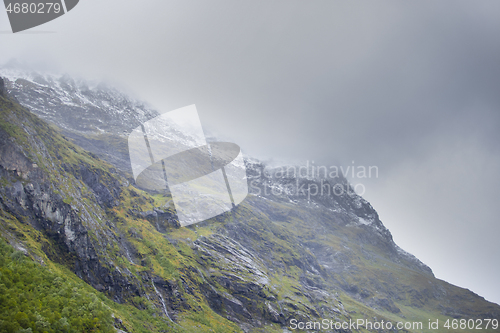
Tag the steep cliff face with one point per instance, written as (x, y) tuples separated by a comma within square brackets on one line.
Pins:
[(66, 204), (284, 253), (2, 87)]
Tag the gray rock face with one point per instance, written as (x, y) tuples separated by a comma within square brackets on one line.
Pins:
[(29, 197), (2, 87), (162, 220), (238, 271)]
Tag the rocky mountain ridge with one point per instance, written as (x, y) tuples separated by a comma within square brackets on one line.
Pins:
[(58, 98)]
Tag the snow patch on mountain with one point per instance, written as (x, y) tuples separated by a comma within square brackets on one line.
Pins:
[(76, 104)]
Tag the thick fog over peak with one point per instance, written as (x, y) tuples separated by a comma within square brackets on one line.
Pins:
[(412, 88)]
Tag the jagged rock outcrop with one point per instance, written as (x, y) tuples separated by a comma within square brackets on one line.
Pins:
[(2, 87), (162, 220)]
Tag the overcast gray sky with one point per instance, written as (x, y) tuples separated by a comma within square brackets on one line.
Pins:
[(410, 87)]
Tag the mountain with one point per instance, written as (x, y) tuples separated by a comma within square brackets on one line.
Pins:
[(95, 116), (112, 257)]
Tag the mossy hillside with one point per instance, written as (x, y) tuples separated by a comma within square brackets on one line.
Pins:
[(156, 255), (34, 241), (285, 280), (371, 269), (285, 283), (60, 160)]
